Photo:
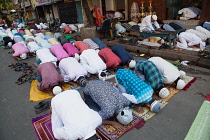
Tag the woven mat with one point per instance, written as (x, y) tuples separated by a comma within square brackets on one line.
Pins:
[(43, 128), (199, 130)]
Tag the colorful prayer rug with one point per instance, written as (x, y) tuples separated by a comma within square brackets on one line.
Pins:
[(199, 130), (43, 128), (36, 95)]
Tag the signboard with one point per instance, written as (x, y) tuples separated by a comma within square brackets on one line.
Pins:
[(36, 3)]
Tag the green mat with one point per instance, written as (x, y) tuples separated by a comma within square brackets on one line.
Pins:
[(200, 129)]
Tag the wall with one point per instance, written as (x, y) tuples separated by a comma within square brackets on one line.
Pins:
[(110, 5)]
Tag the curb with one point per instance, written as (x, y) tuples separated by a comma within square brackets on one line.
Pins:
[(191, 56)]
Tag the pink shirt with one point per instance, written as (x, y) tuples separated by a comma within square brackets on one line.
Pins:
[(67, 29), (110, 58), (49, 74), (59, 52), (81, 46), (19, 49), (70, 49)]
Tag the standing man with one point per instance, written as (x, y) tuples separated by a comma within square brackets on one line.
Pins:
[(72, 119)]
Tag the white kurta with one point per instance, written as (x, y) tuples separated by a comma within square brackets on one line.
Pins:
[(198, 33), (146, 23), (71, 69), (45, 55), (203, 30), (169, 72), (33, 46), (188, 39), (187, 13), (91, 61), (71, 118)]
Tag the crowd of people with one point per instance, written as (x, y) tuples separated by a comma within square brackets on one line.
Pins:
[(59, 61)]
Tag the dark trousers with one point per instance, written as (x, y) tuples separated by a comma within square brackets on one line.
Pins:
[(91, 103)]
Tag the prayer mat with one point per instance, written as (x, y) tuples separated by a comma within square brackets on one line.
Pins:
[(36, 95), (188, 80), (199, 130), (43, 128), (147, 114)]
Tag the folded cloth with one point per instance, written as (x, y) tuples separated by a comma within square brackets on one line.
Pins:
[(36, 95)]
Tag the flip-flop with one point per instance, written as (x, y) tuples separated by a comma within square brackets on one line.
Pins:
[(43, 108), (40, 104)]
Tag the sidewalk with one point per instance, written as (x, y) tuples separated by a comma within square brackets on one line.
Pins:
[(171, 54)]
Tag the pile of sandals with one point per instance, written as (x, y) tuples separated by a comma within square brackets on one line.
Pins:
[(205, 53), (28, 72)]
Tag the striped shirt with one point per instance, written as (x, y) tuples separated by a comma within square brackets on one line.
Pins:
[(91, 44)]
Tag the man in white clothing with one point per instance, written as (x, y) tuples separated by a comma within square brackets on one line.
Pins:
[(150, 24), (92, 62), (188, 39), (72, 119), (72, 70), (171, 75), (44, 55)]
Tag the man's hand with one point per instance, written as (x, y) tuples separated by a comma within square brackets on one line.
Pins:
[(117, 125), (156, 31)]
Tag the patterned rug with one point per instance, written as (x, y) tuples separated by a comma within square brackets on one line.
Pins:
[(199, 130), (43, 128)]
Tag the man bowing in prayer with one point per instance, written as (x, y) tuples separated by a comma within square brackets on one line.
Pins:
[(72, 119)]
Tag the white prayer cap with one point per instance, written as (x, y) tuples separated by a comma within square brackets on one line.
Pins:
[(117, 15), (125, 116), (163, 93), (154, 17), (57, 90), (9, 44), (180, 84), (76, 56), (132, 64), (182, 74), (23, 56)]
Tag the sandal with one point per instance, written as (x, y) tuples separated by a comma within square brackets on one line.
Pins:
[(43, 108), (41, 104)]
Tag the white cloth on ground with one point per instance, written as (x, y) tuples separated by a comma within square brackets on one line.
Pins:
[(71, 118)]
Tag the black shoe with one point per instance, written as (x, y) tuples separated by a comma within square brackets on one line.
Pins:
[(41, 104)]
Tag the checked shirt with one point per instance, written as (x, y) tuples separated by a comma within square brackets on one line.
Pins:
[(152, 75), (134, 86)]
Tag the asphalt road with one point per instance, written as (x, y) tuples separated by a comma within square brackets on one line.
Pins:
[(171, 123)]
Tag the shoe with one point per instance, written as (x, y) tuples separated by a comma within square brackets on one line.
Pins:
[(109, 75), (43, 108), (41, 104)]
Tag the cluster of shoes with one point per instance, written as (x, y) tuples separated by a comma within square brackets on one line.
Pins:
[(28, 72), (42, 106), (124, 40), (105, 75)]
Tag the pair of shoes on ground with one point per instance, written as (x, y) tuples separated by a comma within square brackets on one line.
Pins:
[(25, 78), (105, 75), (42, 106)]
